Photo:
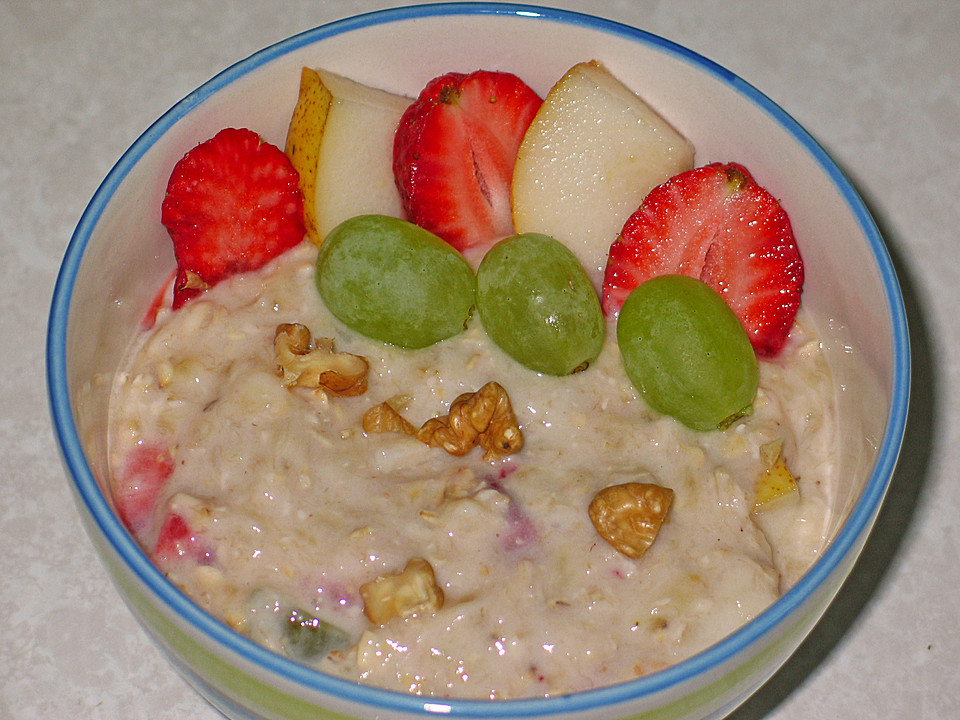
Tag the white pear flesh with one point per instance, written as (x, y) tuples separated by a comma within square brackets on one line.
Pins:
[(591, 155), (340, 140), (355, 163)]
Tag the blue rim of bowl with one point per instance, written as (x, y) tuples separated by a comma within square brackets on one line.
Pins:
[(850, 534)]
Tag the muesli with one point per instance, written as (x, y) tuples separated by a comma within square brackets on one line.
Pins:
[(444, 516)]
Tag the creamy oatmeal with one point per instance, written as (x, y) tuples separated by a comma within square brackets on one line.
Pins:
[(265, 502)]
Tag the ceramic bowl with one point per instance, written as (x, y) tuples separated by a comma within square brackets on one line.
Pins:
[(120, 255)]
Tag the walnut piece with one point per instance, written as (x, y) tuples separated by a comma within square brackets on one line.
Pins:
[(629, 516), (384, 418), (303, 362), (406, 594), (483, 418)]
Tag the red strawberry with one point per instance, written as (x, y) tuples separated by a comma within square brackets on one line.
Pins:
[(454, 152), (716, 224), (145, 472), (232, 204), (178, 540)]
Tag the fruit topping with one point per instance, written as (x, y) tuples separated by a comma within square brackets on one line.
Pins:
[(183, 534), (717, 224), (538, 305), (394, 281), (306, 637), (302, 635), (629, 516), (686, 353), (305, 362), (145, 472), (178, 540), (340, 141), (232, 204), (591, 154), (454, 153), (775, 482)]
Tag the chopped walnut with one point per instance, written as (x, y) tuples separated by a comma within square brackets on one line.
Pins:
[(629, 516), (483, 418), (406, 594), (384, 418), (303, 362)]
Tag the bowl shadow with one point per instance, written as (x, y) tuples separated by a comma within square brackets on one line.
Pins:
[(895, 515)]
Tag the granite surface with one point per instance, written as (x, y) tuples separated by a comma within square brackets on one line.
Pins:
[(877, 83)]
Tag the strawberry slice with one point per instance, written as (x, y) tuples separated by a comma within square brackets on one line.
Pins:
[(232, 204), (717, 224), (178, 540), (454, 152), (145, 472)]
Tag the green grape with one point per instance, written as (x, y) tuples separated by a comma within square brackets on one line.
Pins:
[(538, 305), (686, 352), (395, 282), (306, 636)]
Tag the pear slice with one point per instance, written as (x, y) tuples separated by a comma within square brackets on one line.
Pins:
[(340, 140), (590, 156), (775, 483)]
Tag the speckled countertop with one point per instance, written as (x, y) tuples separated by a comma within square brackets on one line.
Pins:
[(877, 83)]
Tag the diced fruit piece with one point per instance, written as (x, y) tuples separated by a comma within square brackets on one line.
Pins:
[(232, 204), (394, 281), (454, 152), (145, 473), (538, 305), (306, 636), (521, 531), (717, 224), (591, 154), (775, 482), (149, 318), (686, 352), (178, 540), (340, 140), (183, 533), (304, 139)]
